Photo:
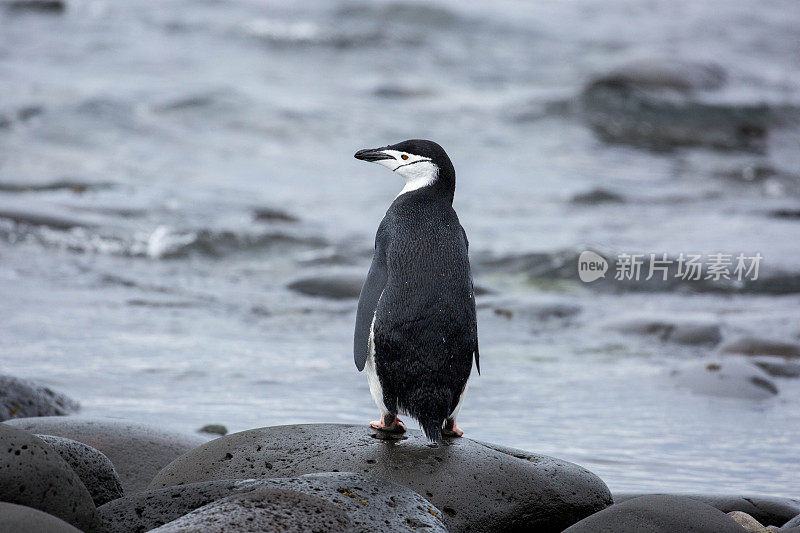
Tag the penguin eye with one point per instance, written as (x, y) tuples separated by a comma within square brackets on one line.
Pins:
[(404, 156)]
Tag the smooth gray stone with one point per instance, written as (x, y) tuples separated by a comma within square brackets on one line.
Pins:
[(478, 487), (658, 513), (768, 510), (138, 451), (371, 504), (19, 518), (34, 474), (95, 469), (23, 398), (270, 511)]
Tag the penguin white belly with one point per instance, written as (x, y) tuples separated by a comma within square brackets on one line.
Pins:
[(460, 401), (375, 388)]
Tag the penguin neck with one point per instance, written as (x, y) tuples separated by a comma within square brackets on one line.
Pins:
[(440, 181)]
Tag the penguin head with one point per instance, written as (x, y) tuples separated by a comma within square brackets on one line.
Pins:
[(421, 163)]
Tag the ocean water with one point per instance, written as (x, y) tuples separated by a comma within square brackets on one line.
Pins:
[(138, 141)]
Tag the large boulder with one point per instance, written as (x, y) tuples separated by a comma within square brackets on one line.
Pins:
[(95, 469), (371, 504), (15, 518), (22, 398), (34, 475), (479, 488), (270, 511), (658, 514), (768, 510), (138, 451)]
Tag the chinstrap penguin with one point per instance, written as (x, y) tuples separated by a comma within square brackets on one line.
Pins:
[(416, 328)]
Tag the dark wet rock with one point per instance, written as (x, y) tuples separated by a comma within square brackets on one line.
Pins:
[(138, 451), (268, 510), (729, 378), (663, 103), (478, 487), (213, 429), (19, 518), (270, 214), (758, 346), (768, 510), (338, 287), (95, 469), (38, 6), (658, 514), (778, 366), (368, 501), (682, 330), (34, 474), (22, 398), (597, 196)]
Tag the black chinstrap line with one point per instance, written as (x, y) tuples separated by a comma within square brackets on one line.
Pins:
[(414, 163)]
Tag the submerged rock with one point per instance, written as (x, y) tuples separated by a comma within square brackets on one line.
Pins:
[(768, 510), (370, 503), (40, 6), (138, 451), (663, 103), (337, 287), (731, 378), (213, 429), (695, 330), (478, 487), (778, 366), (758, 346), (22, 398), (597, 196), (658, 514), (95, 469), (14, 518), (34, 474), (283, 511), (271, 214)]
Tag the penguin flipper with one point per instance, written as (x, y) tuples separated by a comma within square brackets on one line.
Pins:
[(367, 304)]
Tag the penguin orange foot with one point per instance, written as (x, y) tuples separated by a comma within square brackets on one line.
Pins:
[(389, 423), (450, 429)]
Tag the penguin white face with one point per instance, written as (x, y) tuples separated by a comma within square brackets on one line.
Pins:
[(418, 170)]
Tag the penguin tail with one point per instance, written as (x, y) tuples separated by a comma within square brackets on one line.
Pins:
[(432, 428)]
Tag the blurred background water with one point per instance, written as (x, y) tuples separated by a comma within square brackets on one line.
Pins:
[(168, 169)]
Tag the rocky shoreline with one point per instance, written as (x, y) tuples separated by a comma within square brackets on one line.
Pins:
[(71, 473)]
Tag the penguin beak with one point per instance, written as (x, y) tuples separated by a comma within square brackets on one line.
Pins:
[(372, 155)]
